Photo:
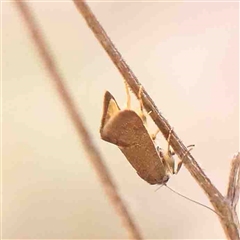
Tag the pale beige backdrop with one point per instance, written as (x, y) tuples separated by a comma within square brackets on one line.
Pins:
[(184, 54)]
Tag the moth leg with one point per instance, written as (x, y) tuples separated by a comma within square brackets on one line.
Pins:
[(190, 147), (170, 153), (128, 96), (166, 157), (149, 112), (141, 114), (154, 135)]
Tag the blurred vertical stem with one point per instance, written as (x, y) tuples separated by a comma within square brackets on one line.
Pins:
[(90, 149)]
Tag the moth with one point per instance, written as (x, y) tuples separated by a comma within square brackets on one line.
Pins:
[(126, 129)]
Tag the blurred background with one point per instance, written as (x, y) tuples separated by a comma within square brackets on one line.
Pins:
[(184, 54)]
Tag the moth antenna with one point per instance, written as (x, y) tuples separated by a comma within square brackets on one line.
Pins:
[(159, 187), (189, 199)]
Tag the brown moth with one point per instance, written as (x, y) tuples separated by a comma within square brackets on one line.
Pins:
[(126, 129)]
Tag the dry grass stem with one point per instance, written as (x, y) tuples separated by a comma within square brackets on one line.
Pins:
[(234, 181), (91, 150), (229, 220)]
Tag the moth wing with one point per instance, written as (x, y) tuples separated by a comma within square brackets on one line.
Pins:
[(123, 128), (110, 109), (127, 131)]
